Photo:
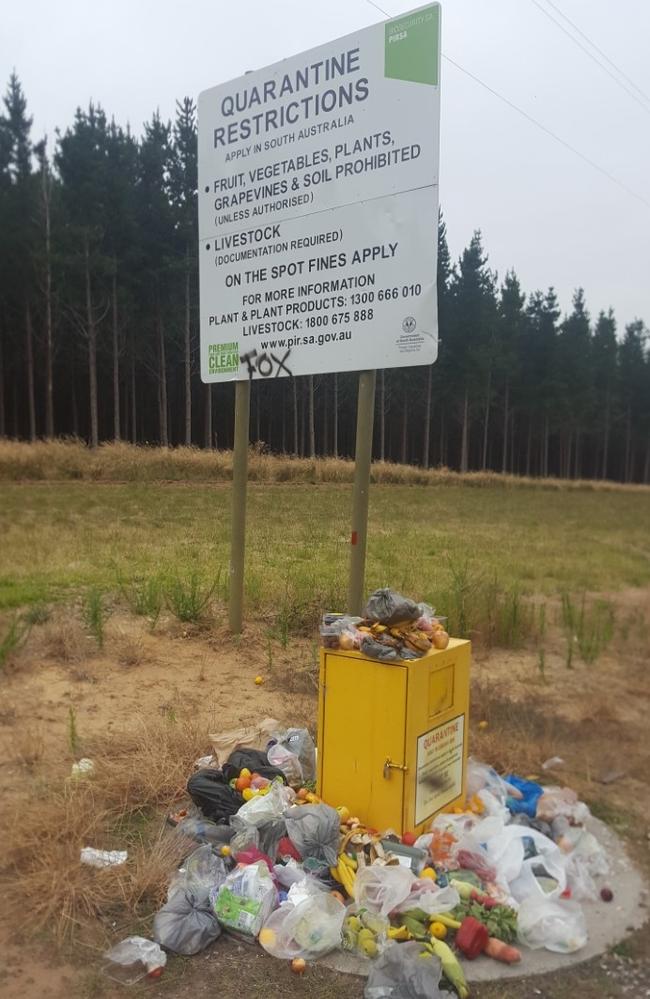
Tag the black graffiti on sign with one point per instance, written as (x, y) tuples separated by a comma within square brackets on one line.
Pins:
[(265, 365)]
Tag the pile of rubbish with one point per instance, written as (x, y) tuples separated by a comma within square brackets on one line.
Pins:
[(392, 627), (274, 864)]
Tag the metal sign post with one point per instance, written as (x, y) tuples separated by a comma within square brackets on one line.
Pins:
[(361, 489), (239, 483)]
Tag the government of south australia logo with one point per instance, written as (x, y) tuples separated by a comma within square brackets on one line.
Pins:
[(409, 324)]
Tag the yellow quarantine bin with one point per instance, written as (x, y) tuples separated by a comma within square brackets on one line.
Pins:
[(392, 737)]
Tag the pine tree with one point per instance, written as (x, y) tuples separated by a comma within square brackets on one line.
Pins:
[(604, 353), (511, 331)]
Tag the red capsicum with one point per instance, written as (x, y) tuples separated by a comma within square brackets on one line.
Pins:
[(484, 900), (472, 937)]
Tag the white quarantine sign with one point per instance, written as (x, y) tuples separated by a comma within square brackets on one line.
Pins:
[(439, 767), (318, 208)]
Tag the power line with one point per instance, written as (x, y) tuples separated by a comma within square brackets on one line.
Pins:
[(538, 124), (590, 55), (599, 50)]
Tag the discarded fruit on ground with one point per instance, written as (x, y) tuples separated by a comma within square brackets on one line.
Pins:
[(302, 794), (242, 782), (245, 772), (606, 894), (429, 873), (298, 965), (248, 793), (482, 725), (438, 930), (344, 813), (409, 838), (440, 639), (337, 895), (225, 850), (259, 680), (267, 937)]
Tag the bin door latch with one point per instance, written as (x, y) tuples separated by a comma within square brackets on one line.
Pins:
[(389, 765)]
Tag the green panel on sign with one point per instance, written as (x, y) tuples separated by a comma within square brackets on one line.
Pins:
[(411, 47)]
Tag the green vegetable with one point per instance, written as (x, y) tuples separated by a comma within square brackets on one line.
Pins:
[(501, 920)]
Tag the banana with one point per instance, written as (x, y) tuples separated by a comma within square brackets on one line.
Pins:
[(398, 933), (346, 876), (350, 861), (446, 920), (335, 874)]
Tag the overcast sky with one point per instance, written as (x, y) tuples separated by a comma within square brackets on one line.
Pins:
[(541, 209)]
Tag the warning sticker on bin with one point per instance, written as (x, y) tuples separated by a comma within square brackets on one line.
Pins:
[(439, 777)]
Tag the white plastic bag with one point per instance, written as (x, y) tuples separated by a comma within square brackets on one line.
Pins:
[(485, 782), (133, 958), (246, 899), (426, 895), (309, 929), (264, 808), (382, 889), (555, 924), (558, 801)]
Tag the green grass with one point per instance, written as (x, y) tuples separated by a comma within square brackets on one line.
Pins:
[(63, 538)]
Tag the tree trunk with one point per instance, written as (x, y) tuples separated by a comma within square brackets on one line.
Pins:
[(529, 445), (91, 333), (646, 464), (606, 437), (294, 387), (187, 359), (405, 420), (464, 433), (312, 428), (324, 441), (506, 416), (116, 360), (546, 440), (49, 333), (207, 416), (162, 382), (382, 415), (73, 400), (335, 427), (443, 441), (426, 430), (577, 456), (3, 419), (134, 413), (29, 357), (628, 445), (486, 422)]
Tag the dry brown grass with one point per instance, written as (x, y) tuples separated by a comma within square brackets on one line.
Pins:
[(64, 641), (120, 462), (138, 775)]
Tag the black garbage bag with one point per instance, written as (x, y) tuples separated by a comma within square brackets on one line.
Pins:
[(255, 760), (401, 973), (186, 924), (211, 792), (315, 831), (391, 608)]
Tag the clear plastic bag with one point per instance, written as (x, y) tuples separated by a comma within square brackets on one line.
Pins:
[(286, 761), (204, 830), (264, 808), (562, 801), (200, 872), (555, 924), (401, 972), (382, 889), (310, 929), (426, 895), (299, 742), (133, 958), (315, 831), (246, 899), (186, 924)]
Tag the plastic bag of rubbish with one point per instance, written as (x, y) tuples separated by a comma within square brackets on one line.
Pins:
[(426, 895), (586, 860), (555, 924), (382, 889), (246, 899), (286, 761), (315, 831), (254, 737), (210, 791), (255, 760), (299, 742), (310, 929), (133, 958), (186, 924), (264, 808), (202, 870), (401, 972), (390, 608), (205, 831), (486, 783), (561, 801)]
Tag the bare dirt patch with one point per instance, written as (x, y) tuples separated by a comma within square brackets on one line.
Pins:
[(593, 717)]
